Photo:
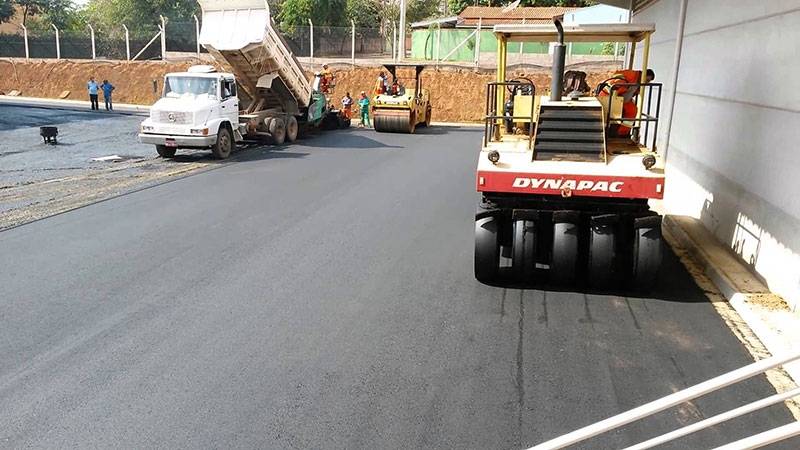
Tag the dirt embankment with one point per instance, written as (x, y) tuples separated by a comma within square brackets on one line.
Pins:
[(457, 94)]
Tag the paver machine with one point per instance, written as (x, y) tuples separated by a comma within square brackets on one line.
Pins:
[(403, 110), (565, 178)]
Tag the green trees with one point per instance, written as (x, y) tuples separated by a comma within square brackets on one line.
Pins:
[(338, 13), (6, 10)]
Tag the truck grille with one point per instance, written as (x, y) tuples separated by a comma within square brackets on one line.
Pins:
[(181, 118)]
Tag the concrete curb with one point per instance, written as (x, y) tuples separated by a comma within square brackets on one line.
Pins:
[(764, 312), (72, 105)]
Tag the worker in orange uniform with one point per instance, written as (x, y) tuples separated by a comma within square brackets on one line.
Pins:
[(628, 93), (326, 79)]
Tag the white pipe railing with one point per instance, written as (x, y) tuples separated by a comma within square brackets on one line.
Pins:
[(353, 42), (461, 44), (683, 396), (58, 42), (127, 42), (91, 34), (197, 33), (311, 40), (766, 438), (147, 45)]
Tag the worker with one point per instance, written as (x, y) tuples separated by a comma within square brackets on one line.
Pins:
[(107, 88), (628, 93), (347, 106), (363, 103), (93, 88), (381, 87), (326, 79)]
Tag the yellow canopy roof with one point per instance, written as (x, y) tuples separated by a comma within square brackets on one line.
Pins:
[(616, 32)]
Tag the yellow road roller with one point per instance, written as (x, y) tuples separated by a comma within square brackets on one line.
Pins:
[(401, 108)]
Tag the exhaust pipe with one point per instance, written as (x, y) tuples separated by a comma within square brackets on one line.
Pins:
[(559, 59)]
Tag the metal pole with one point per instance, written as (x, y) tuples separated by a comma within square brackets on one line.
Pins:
[(438, 43), (521, 46), (353, 42), (91, 34), (197, 33), (127, 42), (163, 38), (478, 42), (673, 83), (401, 54), (311, 27), (394, 40), (58, 43), (25, 36)]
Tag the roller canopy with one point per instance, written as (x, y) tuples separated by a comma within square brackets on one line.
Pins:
[(220, 17), (627, 32)]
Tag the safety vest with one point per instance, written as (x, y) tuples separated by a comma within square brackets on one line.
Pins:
[(622, 76)]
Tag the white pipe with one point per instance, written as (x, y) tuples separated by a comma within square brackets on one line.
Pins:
[(669, 401), (148, 45), (353, 42), (311, 28), (91, 33), (163, 38), (197, 33), (401, 53), (521, 46), (58, 43), (768, 437), (467, 39), (438, 42), (719, 418), (394, 40), (676, 67), (127, 42), (25, 36)]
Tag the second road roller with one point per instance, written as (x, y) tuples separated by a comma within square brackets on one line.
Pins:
[(401, 109)]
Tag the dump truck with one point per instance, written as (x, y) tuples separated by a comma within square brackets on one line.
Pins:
[(266, 96), (403, 111), (566, 178)]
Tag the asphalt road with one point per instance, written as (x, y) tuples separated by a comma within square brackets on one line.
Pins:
[(321, 296)]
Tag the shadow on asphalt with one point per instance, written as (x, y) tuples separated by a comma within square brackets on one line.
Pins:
[(674, 284)]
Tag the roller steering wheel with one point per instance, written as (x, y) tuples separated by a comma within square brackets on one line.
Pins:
[(530, 88)]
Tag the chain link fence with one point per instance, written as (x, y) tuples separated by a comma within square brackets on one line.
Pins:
[(108, 43)]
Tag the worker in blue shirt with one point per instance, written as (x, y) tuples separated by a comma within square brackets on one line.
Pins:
[(108, 88), (93, 88)]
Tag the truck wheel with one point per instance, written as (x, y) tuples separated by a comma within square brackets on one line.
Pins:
[(166, 152), (277, 128), (292, 129), (222, 149)]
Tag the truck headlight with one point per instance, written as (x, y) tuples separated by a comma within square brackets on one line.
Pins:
[(147, 128), (199, 131)]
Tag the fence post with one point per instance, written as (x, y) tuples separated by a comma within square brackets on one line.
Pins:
[(25, 36), (394, 40), (521, 46), (58, 43), (311, 39), (438, 43), (127, 42), (91, 34), (478, 42), (163, 28), (197, 33), (353, 42)]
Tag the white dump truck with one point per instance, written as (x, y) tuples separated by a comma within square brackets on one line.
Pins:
[(265, 96)]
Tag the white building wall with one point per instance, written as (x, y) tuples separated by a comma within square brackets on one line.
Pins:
[(597, 14), (734, 153)]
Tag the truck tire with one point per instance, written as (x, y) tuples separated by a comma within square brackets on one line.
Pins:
[(224, 145), (292, 129), (277, 128), (166, 152)]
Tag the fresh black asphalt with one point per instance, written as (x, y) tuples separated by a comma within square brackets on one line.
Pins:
[(320, 295)]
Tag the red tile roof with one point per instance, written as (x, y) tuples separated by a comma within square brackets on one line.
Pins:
[(494, 15)]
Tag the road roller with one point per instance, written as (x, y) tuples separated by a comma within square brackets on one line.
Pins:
[(566, 177), (403, 108)]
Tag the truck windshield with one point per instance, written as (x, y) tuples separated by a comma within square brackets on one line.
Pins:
[(176, 87)]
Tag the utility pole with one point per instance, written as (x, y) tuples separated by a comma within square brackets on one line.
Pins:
[(401, 47)]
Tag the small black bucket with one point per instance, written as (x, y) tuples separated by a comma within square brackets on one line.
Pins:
[(49, 134)]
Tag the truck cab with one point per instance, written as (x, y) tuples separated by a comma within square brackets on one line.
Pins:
[(197, 109)]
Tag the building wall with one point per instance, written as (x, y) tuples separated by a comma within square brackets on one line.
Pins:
[(734, 150)]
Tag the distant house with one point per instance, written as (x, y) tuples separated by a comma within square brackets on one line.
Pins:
[(490, 15)]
